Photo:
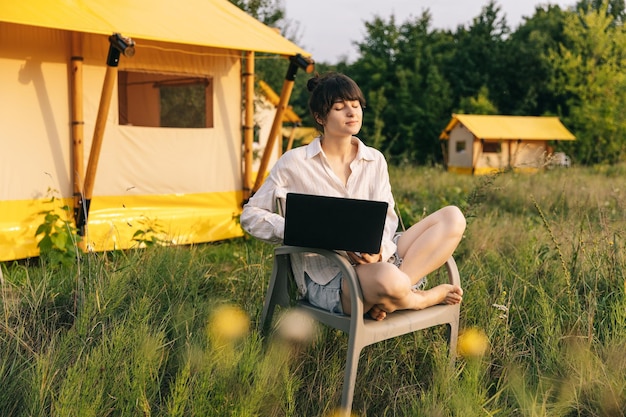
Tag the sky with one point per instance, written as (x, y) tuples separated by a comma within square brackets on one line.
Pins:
[(328, 28)]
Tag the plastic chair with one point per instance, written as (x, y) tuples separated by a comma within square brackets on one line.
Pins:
[(361, 331)]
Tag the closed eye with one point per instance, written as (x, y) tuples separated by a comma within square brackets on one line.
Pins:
[(339, 105)]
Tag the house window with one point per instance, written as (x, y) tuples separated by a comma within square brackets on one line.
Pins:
[(492, 147), (164, 100), (460, 147)]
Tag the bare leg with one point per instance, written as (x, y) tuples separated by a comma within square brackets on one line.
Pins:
[(387, 289), (428, 244), (424, 247)]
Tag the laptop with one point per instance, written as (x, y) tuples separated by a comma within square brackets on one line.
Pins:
[(334, 223)]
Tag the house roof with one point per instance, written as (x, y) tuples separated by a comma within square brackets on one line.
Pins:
[(216, 23), (490, 127)]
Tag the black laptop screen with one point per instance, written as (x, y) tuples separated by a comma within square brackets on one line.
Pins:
[(334, 223)]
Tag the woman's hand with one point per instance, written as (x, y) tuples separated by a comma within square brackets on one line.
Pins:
[(358, 258)]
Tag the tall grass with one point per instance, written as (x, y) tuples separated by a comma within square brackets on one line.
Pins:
[(138, 332)]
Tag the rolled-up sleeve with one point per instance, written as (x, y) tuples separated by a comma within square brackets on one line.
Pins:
[(262, 224)]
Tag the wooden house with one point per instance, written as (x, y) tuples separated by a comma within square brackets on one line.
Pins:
[(481, 144)]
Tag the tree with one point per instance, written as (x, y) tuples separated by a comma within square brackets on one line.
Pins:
[(478, 58), (614, 8), (398, 70), (590, 69), (527, 67), (479, 104), (374, 71), (557, 62), (269, 12)]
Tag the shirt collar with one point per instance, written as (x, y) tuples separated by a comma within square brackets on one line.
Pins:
[(363, 152)]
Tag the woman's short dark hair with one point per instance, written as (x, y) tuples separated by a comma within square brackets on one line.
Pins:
[(329, 88)]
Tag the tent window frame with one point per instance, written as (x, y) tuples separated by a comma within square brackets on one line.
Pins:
[(144, 99), (492, 147)]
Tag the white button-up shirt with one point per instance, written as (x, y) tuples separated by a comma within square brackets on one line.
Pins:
[(306, 170)]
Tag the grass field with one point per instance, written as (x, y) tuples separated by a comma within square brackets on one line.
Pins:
[(172, 331)]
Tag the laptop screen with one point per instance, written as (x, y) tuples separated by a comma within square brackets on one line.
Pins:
[(334, 223)]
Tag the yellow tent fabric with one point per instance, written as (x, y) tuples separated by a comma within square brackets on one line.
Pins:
[(490, 127), (216, 23)]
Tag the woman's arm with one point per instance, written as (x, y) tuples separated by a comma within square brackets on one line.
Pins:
[(260, 216)]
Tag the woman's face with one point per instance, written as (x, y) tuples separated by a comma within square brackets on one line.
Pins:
[(344, 118)]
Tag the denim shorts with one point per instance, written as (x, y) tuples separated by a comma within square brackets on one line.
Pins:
[(395, 258), (326, 296)]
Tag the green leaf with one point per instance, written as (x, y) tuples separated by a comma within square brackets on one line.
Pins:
[(45, 244), (43, 228), (58, 240)]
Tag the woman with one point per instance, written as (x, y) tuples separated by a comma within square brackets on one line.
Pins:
[(338, 164)]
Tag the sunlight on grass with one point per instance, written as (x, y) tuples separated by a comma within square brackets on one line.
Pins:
[(173, 331)]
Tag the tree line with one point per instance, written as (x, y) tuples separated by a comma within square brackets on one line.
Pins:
[(567, 62)]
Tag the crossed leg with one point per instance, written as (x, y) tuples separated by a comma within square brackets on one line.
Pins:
[(424, 247)]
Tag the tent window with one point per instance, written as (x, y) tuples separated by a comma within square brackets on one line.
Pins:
[(460, 147), (491, 147), (163, 100)]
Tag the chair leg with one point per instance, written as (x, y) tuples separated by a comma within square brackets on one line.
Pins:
[(453, 336), (349, 379), (275, 295), (266, 316)]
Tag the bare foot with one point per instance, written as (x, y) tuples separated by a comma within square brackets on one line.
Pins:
[(377, 313), (454, 296), (441, 294)]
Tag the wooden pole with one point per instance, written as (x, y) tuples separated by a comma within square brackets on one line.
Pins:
[(118, 44), (248, 127), (98, 134), (78, 124), (295, 62), (271, 140)]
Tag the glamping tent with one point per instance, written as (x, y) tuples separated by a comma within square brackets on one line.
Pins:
[(481, 144), (131, 114)]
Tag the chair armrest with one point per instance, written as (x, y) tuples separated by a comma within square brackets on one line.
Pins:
[(347, 270), (453, 272)]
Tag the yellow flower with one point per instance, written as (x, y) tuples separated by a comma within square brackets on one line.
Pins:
[(227, 323), (472, 343)]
